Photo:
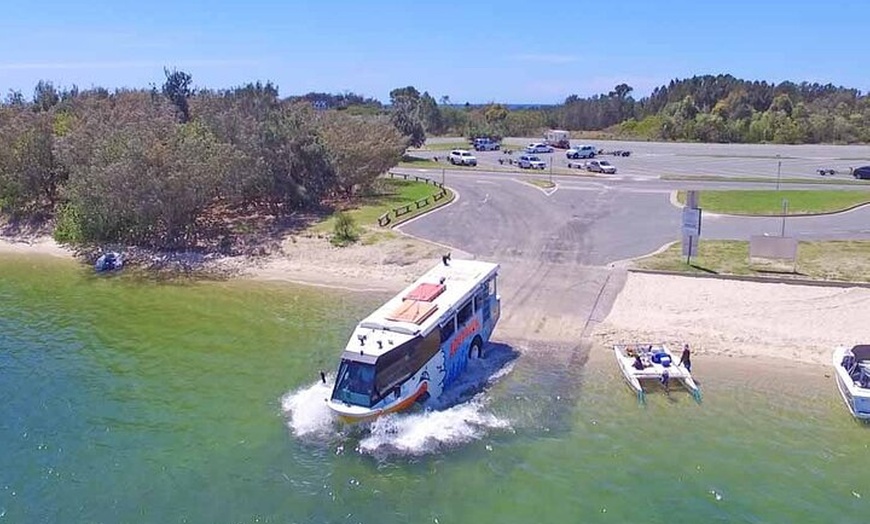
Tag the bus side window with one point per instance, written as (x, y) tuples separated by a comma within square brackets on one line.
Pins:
[(447, 329), (464, 313), (489, 287)]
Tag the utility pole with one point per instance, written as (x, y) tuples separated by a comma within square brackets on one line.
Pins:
[(784, 213)]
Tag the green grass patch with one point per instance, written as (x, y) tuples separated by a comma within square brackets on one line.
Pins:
[(765, 180), (373, 236), (390, 193), (828, 260), (445, 146), (417, 162), (770, 202), (540, 182)]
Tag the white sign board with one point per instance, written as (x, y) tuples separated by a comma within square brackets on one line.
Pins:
[(691, 221)]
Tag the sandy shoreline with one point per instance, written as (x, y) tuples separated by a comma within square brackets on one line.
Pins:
[(33, 246), (738, 319), (717, 317)]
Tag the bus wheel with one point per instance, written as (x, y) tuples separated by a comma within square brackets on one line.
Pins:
[(476, 349)]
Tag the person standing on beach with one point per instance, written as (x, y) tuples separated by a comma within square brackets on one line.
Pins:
[(686, 358)]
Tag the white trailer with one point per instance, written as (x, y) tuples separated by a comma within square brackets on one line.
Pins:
[(558, 138)]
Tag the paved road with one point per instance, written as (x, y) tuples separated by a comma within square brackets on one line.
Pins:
[(595, 222)]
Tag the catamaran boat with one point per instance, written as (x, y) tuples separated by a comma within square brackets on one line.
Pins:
[(416, 344), (852, 372), (642, 363)]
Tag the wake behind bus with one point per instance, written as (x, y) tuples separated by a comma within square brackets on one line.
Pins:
[(418, 343)]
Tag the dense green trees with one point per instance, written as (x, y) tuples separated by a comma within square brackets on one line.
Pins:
[(707, 108), (723, 108), (150, 167)]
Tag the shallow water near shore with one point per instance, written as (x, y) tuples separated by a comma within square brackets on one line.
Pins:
[(128, 401)]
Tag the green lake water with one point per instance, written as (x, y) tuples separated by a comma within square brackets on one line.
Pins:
[(124, 400)]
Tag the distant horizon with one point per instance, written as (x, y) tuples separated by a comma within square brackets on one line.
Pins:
[(492, 52)]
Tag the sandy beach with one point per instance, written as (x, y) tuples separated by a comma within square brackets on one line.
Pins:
[(739, 319), (42, 245), (717, 317), (387, 266)]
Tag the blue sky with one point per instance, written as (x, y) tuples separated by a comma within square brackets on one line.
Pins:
[(472, 51)]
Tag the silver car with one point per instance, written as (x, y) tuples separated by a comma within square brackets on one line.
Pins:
[(601, 166), (531, 162)]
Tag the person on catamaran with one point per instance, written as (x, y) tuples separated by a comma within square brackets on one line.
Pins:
[(666, 377), (686, 358), (638, 363)]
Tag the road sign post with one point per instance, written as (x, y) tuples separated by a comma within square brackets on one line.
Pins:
[(784, 213), (691, 226)]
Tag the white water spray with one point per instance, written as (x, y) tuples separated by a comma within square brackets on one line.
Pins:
[(460, 415), (308, 414)]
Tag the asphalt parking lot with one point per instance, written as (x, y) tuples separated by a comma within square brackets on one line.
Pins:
[(649, 160)]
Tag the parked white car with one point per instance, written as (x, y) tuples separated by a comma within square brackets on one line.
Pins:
[(585, 151), (462, 157), (538, 148), (531, 162), (601, 166)]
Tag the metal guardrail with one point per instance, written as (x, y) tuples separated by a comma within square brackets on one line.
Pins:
[(388, 217)]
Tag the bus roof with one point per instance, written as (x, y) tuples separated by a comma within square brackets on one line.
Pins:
[(420, 307)]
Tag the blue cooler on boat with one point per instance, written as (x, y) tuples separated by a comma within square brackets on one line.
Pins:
[(660, 357)]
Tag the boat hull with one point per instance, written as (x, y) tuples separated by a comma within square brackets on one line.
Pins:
[(355, 414), (857, 399)]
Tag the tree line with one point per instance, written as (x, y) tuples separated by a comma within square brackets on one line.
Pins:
[(154, 167), (707, 108)]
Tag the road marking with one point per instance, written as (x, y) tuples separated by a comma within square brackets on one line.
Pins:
[(545, 191)]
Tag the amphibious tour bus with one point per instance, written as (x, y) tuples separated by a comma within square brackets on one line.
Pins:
[(415, 345)]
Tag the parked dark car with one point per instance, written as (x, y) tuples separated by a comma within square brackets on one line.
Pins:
[(862, 172)]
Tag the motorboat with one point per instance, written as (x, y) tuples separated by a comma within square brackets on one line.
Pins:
[(110, 261), (852, 373), (643, 363)]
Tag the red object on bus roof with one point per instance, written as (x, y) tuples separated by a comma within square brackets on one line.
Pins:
[(425, 292)]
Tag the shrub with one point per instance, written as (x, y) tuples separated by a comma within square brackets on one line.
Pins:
[(69, 228), (344, 231)]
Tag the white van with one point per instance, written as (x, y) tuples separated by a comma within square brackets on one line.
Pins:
[(585, 151), (462, 157)]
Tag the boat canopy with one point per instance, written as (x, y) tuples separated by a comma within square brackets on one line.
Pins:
[(861, 352)]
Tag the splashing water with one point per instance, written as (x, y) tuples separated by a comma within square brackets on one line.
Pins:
[(309, 416), (430, 431)]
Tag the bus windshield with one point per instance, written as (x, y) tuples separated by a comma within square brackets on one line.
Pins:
[(355, 383)]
